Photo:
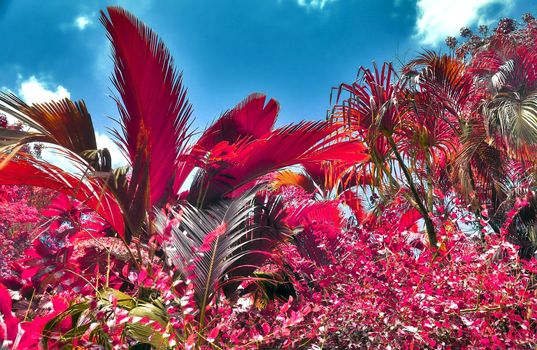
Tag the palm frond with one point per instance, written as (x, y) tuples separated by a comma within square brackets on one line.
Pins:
[(321, 224), (478, 165), (510, 93), (14, 137), (372, 101), (288, 177), (26, 170), (132, 194), (62, 123), (17, 108), (236, 165), (252, 118), (219, 245), (266, 230), (443, 78), (154, 108), (513, 116)]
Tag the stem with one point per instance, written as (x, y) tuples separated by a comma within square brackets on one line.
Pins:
[(431, 233), (134, 260), (108, 269), (205, 300), (429, 182), (29, 306)]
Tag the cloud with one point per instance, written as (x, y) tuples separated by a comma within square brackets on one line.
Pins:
[(314, 4), (438, 19), (103, 141), (81, 22), (34, 91)]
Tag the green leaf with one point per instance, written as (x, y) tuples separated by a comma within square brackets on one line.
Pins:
[(125, 301), (74, 311), (147, 335), (151, 312)]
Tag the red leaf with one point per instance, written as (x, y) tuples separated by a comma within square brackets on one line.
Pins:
[(33, 172), (5, 301), (211, 337), (266, 328), (252, 118), (408, 219), (243, 162), (154, 109)]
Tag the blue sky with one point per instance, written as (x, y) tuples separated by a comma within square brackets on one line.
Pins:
[(293, 50)]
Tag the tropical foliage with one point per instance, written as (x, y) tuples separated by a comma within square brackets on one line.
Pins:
[(406, 219)]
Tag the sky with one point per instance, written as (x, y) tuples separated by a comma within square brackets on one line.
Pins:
[(295, 51)]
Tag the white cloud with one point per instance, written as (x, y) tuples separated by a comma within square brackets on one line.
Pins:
[(103, 141), (81, 22), (438, 19), (314, 4), (34, 91)]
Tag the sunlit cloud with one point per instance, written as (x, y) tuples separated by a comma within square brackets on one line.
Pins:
[(438, 19), (314, 4), (33, 90), (81, 22)]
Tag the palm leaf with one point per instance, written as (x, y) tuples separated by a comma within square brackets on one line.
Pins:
[(267, 231), (372, 101), (210, 243), (62, 123), (239, 164), (131, 194), (288, 177), (510, 108), (513, 116), (478, 165), (66, 122), (443, 78), (154, 109), (26, 170), (321, 224), (50, 333), (252, 118), (13, 137), (82, 317)]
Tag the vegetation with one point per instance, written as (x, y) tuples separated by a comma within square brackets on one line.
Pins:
[(407, 219)]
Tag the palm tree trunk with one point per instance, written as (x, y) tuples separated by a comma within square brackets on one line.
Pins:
[(429, 225)]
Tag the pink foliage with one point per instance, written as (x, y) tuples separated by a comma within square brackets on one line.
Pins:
[(340, 274)]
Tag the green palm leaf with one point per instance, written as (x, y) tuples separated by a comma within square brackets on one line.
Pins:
[(223, 244), (513, 116)]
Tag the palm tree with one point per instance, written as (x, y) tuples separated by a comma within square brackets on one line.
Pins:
[(155, 136), (504, 132), (507, 71)]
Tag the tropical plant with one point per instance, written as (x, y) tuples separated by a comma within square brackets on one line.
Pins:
[(305, 236), (227, 160)]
